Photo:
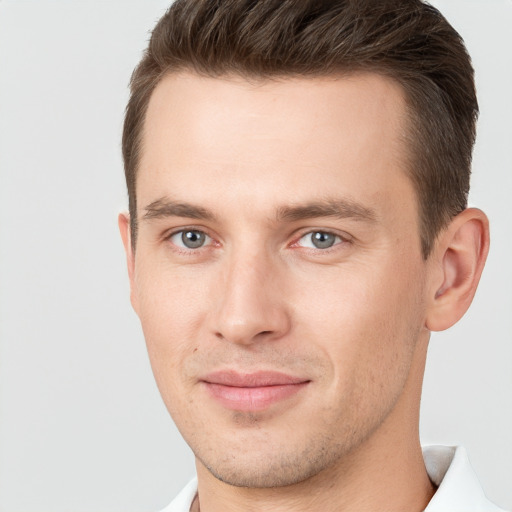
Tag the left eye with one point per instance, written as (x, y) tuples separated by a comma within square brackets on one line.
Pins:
[(190, 239), (319, 240)]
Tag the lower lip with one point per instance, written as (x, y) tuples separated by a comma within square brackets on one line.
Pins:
[(252, 398)]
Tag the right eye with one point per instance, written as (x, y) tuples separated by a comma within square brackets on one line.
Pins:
[(190, 239)]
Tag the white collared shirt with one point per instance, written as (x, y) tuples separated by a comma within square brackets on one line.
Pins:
[(448, 468), (458, 488)]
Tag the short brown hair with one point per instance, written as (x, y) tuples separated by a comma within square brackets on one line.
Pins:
[(407, 40)]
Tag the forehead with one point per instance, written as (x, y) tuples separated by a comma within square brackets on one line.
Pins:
[(273, 140)]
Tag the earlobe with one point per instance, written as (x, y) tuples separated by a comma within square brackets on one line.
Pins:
[(460, 256), (123, 221)]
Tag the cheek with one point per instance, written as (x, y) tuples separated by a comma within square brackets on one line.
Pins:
[(365, 321), (171, 308), (170, 301)]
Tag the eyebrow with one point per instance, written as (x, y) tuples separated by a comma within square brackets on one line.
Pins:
[(338, 208), (162, 208)]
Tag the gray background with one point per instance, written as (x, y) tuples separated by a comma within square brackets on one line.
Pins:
[(82, 427)]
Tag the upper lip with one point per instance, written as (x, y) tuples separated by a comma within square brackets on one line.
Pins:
[(251, 380)]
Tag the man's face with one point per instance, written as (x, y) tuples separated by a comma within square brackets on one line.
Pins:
[(278, 272)]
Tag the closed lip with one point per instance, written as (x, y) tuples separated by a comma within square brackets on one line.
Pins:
[(258, 379), (252, 392)]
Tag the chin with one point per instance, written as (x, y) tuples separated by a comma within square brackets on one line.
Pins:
[(256, 477), (273, 467)]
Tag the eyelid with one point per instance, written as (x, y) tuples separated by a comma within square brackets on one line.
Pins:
[(166, 237), (345, 238)]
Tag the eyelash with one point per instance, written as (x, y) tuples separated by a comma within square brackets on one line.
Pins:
[(188, 250), (339, 240)]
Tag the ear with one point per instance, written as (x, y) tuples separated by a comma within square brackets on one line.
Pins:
[(459, 258), (123, 221)]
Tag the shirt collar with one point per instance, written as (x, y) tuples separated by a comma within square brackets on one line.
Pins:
[(458, 488)]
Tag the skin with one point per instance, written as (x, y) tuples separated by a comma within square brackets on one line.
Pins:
[(353, 320)]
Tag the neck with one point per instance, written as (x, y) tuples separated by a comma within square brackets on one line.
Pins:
[(386, 473), (395, 482)]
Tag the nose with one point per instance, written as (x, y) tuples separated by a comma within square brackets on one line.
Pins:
[(251, 302)]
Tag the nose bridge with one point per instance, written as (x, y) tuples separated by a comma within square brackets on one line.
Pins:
[(249, 303)]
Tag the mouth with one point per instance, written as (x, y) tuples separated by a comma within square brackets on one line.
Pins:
[(251, 392)]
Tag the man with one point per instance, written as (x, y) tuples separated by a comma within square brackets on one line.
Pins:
[(298, 175)]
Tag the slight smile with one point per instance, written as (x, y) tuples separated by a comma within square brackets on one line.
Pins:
[(254, 391)]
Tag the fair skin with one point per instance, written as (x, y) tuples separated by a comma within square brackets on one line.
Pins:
[(281, 288)]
